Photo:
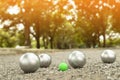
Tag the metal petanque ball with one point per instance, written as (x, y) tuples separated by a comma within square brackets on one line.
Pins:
[(45, 60), (29, 62), (77, 59), (108, 56)]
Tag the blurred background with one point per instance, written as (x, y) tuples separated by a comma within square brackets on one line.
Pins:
[(59, 24)]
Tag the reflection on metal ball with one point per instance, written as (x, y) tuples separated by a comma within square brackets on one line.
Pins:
[(45, 60), (29, 62), (77, 59), (108, 56)]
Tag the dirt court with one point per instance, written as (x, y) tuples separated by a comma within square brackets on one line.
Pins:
[(94, 69)]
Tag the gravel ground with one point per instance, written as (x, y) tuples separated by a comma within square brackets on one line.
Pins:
[(93, 70)]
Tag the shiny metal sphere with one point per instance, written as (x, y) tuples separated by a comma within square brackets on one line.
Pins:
[(45, 60), (77, 59), (29, 62), (108, 56)]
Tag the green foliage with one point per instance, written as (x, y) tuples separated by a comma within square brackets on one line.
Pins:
[(8, 39), (20, 38), (113, 42)]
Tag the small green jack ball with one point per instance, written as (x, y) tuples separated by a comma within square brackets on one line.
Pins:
[(63, 66)]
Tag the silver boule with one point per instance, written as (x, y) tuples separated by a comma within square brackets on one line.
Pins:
[(77, 59), (29, 62), (45, 60), (108, 56)]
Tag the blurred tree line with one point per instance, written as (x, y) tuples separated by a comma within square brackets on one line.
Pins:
[(60, 24)]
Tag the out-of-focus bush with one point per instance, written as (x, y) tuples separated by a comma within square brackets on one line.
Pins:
[(11, 38)]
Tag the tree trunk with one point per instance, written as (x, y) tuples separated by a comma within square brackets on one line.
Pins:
[(104, 40), (88, 44), (37, 42), (37, 31), (94, 42), (45, 43), (51, 43), (27, 36), (58, 45), (99, 44)]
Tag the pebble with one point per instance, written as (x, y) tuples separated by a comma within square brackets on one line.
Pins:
[(10, 70)]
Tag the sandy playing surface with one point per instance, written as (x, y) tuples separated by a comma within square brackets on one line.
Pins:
[(93, 70)]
